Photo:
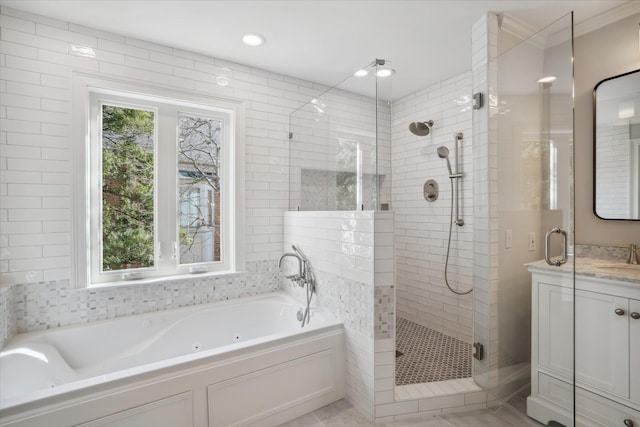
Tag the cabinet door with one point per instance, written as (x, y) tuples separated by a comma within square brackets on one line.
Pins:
[(555, 329), (634, 353), (174, 411), (602, 342)]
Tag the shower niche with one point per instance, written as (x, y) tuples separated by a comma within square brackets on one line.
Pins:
[(323, 189), (350, 182)]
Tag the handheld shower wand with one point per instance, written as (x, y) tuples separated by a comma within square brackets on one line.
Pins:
[(443, 153)]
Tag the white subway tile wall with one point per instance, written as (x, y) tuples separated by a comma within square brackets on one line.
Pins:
[(351, 254), (384, 311), (340, 247), (422, 227), (38, 57)]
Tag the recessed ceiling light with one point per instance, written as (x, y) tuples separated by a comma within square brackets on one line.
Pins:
[(253, 39), (385, 72), (547, 79), (361, 73)]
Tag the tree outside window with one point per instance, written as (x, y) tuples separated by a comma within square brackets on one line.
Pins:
[(199, 188), (127, 188)]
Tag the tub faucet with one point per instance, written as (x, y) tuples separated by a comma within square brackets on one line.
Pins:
[(305, 279), (298, 278)]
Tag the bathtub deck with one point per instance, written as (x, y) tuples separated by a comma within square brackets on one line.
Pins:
[(199, 388)]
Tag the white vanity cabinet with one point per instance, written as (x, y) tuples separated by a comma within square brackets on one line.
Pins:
[(602, 342), (607, 348)]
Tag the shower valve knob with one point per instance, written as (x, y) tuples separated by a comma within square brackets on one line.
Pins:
[(431, 190)]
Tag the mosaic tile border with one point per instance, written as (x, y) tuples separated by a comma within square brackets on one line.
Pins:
[(7, 313), (385, 317), (45, 305), (348, 300)]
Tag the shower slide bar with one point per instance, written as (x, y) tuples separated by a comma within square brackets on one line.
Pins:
[(443, 153)]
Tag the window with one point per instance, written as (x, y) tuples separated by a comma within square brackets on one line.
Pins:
[(162, 186), (126, 185), (199, 165)]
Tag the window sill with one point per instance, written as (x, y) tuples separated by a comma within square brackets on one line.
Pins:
[(161, 279)]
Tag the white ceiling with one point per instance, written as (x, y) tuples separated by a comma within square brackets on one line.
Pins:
[(323, 41)]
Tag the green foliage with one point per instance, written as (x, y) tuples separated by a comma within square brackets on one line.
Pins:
[(127, 188)]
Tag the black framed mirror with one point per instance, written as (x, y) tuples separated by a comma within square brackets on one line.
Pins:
[(616, 147)]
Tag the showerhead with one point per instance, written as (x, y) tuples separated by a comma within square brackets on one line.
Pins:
[(443, 153), (421, 128)]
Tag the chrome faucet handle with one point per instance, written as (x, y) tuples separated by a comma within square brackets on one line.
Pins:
[(633, 255)]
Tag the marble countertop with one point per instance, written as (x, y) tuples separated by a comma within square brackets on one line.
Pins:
[(593, 267)]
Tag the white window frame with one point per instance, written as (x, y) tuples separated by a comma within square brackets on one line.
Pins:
[(88, 92)]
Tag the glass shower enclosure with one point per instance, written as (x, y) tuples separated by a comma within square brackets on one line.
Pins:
[(340, 145), (525, 325)]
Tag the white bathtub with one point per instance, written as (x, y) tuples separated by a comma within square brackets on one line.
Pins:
[(241, 362)]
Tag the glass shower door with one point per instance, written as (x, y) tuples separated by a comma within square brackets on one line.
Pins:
[(340, 146), (523, 300)]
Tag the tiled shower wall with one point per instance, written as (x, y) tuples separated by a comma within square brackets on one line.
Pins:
[(36, 69), (351, 255), (422, 227)]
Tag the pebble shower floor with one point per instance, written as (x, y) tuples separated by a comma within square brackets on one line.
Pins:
[(424, 355)]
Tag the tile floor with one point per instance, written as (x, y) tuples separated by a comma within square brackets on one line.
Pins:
[(342, 414), (429, 355)]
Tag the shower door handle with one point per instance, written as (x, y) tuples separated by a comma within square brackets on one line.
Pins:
[(563, 250)]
